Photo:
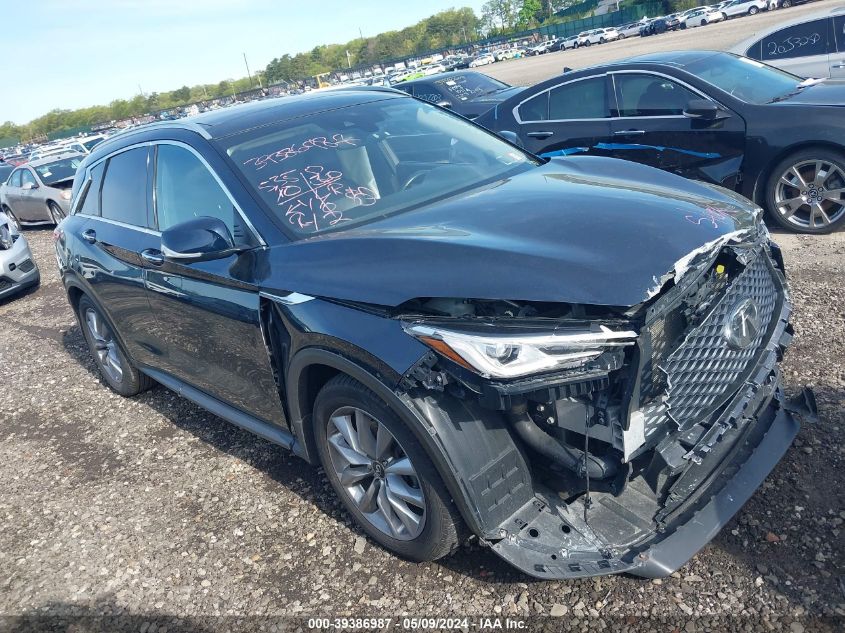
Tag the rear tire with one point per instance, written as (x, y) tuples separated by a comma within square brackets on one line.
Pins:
[(805, 188), (753, 11), (386, 473), (111, 360)]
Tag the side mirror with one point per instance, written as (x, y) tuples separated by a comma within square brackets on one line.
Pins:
[(444, 104), (29, 186), (511, 137), (197, 240), (701, 109)]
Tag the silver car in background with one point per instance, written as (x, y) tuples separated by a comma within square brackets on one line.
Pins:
[(39, 191), (17, 268), (810, 46)]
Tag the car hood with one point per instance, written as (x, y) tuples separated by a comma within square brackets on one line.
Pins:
[(585, 230), (825, 93)]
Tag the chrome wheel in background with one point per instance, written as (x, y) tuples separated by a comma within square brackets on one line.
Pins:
[(810, 194), (376, 473), (105, 345)]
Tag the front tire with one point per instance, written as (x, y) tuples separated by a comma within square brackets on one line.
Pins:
[(753, 11), (114, 367), (806, 191), (382, 474), (56, 213), (12, 218)]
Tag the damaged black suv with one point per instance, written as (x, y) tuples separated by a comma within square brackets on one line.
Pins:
[(574, 359)]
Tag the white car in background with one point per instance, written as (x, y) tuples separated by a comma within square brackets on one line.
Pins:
[(567, 42), (482, 60), (743, 7), (810, 46), (701, 16), (597, 36)]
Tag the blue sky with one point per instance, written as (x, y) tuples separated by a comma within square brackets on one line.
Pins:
[(76, 53)]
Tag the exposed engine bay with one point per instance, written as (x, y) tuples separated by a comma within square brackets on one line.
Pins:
[(628, 435)]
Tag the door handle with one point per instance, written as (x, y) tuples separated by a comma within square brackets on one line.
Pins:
[(90, 236), (838, 66), (152, 256), (540, 134), (629, 132)]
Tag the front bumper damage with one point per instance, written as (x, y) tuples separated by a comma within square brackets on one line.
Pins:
[(649, 520)]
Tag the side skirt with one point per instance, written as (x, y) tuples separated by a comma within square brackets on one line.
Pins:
[(229, 413)]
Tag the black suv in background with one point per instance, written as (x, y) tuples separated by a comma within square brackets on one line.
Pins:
[(575, 358)]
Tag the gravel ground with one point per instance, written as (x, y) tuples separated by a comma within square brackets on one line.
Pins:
[(151, 508), (150, 514)]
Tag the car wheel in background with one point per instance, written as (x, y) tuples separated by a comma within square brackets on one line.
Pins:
[(724, 16), (382, 474), (12, 218), (56, 213), (753, 10), (111, 360), (806, 191), (785, 4)]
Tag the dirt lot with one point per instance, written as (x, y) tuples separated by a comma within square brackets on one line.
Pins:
[(154, 508), (151, 510)]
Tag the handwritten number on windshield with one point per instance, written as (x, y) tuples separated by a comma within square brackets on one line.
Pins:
[(310, 195), (317, 142)]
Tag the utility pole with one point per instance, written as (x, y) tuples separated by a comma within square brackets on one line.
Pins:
[(140, 90), (360, 33), (247, 71), (348, 60)]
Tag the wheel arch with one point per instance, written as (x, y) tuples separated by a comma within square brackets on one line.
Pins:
[(440, 424), (759, 191)]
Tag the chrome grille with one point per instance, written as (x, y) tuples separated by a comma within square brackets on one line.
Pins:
[(703, 370)]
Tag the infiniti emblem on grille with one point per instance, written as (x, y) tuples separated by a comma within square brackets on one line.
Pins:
[(743, 325)]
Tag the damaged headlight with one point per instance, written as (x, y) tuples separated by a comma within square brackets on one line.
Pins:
[(505, 355)]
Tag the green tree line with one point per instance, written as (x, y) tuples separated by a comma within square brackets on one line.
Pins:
[(452, 27)]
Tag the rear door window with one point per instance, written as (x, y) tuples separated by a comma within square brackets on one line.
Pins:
[(124, 192), (798, 40), (584, 99)]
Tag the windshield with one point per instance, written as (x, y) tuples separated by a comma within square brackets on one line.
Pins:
[(59, 170), (745, 79), (469, 85), (342, 168), (89, 145)]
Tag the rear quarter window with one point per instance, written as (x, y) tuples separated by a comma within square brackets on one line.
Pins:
[(90, 204), (799, 40)]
